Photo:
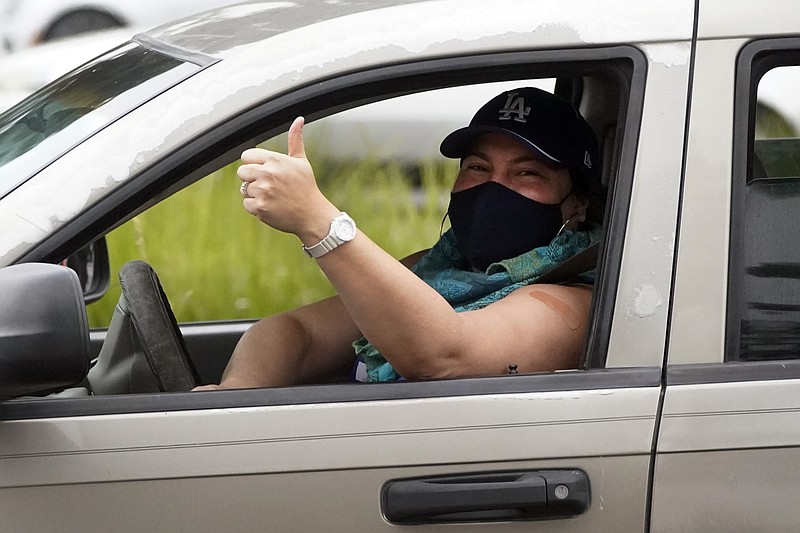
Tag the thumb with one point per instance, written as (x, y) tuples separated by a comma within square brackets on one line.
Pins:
[(296, 145)]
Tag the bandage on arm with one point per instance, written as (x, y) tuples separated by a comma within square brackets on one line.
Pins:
[(562, 308)]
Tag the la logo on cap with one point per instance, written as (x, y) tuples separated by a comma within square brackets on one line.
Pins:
[(515, 105), (587, 160)]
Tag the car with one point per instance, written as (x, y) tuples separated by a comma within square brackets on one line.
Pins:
[(683, 415), (32, 22)]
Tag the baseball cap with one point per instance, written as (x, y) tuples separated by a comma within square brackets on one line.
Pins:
[(548, 124)]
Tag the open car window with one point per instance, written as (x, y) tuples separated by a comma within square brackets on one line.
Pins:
[(388, 164), (373, 141), (379, 162)]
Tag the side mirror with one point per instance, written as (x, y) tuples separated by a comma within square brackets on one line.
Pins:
[(44, 330), (92, 266)]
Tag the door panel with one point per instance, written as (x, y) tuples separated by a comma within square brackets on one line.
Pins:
[(258, 466), (729, 441), (730, 491), (729, 457), (298, 502), (209, 343)]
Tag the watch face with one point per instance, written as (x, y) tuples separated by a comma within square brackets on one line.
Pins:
[(344, 228)]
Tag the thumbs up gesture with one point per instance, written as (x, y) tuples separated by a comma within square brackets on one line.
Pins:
[(297, 147), (282, 191)]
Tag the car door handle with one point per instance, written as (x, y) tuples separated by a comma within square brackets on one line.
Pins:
[(528, 495)]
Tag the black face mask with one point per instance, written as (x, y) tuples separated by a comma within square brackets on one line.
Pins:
[(492, 222)]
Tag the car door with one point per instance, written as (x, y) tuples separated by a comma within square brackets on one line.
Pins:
[(345, 457), (729, 444)]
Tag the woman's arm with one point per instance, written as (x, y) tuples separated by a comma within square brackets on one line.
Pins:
[(536, 328), (406, 320), (309, 344)]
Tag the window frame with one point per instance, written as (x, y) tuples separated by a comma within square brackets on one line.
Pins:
[(197, 158), (755, 59)]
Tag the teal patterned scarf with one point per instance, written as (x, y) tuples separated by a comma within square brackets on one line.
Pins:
[(443, 268)]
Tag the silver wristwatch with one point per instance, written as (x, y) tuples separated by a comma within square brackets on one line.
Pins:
[(343, 229)]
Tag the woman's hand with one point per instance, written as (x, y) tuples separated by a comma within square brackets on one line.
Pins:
[(282, 190)]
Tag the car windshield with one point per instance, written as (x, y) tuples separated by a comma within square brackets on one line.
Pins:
[(48, 123)]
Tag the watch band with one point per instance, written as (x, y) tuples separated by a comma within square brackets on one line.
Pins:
[(322, 247), (341, 231)]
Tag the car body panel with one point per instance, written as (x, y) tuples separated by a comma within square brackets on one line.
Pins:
[(684, 440), (555, 23), (304, 446), (640, 317), (701, 271), (607, 433), (294, 438), (729, 443), (732, 446), (719, 19), (271, 501)]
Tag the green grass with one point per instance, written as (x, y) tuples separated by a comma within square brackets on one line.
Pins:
[(218, 262)]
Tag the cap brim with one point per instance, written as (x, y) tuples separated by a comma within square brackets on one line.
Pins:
[(457, 144)]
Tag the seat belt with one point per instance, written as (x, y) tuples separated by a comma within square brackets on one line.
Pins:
[(570, 269)]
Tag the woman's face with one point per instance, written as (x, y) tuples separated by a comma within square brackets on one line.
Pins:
[(499, 158)]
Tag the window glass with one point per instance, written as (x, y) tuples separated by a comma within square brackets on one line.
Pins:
[(770, 262), (60, 115), (379, 162)]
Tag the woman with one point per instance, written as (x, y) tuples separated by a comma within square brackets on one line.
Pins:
[(464, 308)]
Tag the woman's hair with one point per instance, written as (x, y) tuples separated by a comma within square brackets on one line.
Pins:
[(592, 192)]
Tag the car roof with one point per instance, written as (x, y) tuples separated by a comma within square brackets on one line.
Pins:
[(219, 31)]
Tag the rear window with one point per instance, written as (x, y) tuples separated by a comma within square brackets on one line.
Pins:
[(764, 291), (48, 123)]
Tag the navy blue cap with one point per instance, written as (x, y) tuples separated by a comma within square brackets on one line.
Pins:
[(548, 124)]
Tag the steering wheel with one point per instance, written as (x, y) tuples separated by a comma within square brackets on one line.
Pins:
[(155, 327)]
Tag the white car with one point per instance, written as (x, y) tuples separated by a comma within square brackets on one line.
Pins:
[(31, 22), (27, 70), (684, 416)]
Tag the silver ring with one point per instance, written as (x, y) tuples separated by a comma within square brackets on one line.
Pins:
[(243, 189)]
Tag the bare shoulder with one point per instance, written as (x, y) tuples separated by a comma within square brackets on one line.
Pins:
[(536, 327)]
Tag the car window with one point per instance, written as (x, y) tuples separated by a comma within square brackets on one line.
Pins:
[(221, 269), (388, 175), (765, 256), (376, 156)]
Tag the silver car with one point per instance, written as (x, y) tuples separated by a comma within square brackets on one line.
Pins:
[(685, 415)]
